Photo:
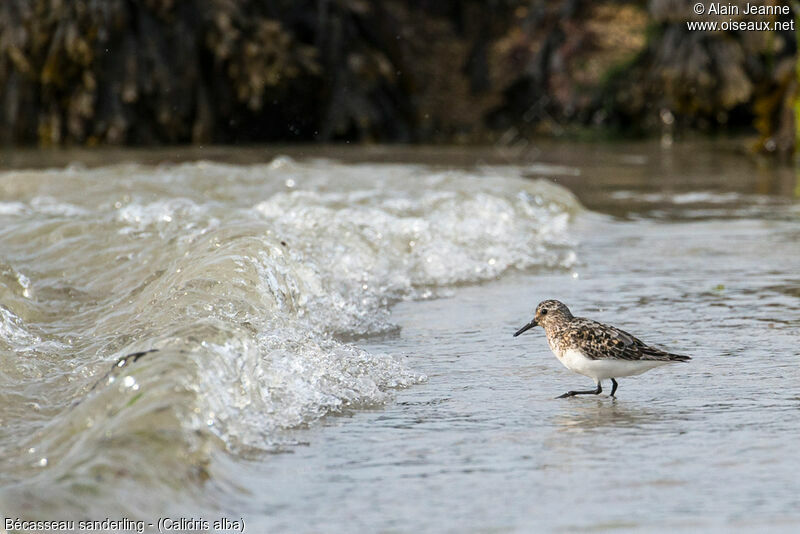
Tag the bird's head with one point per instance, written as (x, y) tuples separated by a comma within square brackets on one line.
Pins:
[(547, 311)]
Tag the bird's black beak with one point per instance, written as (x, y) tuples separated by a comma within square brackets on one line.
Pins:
[(526, 327)]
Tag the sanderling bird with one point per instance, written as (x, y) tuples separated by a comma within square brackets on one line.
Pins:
[(593, 349)]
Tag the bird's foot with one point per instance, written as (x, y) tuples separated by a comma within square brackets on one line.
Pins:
[(597, 391)]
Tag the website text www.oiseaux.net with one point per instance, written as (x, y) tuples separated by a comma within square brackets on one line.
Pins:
[(751, 17)]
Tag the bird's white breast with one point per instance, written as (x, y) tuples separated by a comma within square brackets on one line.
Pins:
[(575, 360)]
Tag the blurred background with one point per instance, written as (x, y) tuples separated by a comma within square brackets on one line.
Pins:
[(150, 72)]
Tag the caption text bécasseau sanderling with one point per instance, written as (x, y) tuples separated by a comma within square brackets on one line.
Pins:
[(749, 17), (163, 525)]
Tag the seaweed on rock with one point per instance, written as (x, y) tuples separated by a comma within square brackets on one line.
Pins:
[(164, 71)]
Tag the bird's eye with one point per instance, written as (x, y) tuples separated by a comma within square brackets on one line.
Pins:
[(544, 312)]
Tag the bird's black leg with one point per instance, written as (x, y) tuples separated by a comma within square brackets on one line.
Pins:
[(597, 391), (613, 387)]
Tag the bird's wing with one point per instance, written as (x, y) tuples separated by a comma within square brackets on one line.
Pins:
[(599, 341)]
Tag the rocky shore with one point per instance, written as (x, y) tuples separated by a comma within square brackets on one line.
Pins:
[(83, 72)]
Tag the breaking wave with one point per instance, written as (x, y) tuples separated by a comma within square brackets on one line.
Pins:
[(252, 282)]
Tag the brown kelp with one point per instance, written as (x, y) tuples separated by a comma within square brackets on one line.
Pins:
[(163, 71)]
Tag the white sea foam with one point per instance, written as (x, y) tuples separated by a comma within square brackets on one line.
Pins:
[(248, 279)]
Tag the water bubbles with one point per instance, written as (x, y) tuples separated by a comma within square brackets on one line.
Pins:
[(130, 382), (42, 462), (136, 217), (281, 162), (25, 283)]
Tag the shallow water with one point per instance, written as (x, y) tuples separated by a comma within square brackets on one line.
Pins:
[(335, 345)]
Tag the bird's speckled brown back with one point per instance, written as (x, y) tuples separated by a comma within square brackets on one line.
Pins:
[(596, 341)]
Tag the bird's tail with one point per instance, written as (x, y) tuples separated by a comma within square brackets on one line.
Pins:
[(678, 357), (657, 354)]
